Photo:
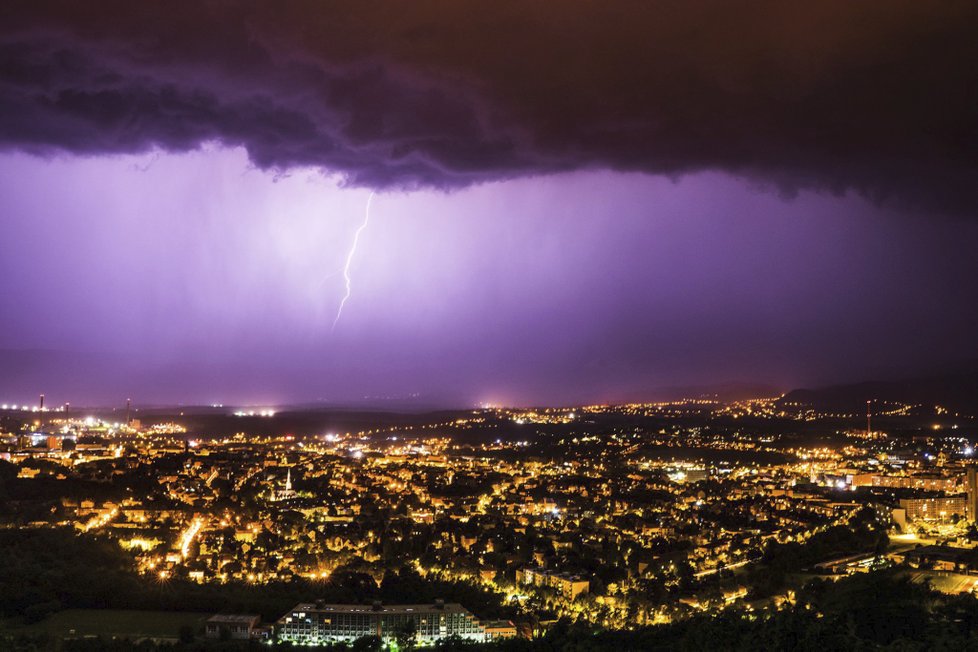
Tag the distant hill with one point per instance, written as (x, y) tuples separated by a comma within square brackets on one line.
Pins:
[(725, 392), (957, 392)]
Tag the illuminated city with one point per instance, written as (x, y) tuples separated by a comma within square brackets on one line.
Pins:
[(619, 515), (488, 327)]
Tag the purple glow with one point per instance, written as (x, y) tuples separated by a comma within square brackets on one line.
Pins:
[(196, 277)]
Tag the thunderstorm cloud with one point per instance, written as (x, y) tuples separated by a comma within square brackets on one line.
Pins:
[(876, 97)]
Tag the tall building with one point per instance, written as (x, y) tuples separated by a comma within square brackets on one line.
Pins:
[(925, 481), (319, 624), (971, 486), (935, 509)]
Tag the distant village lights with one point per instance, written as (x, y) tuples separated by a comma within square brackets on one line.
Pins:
[(255, 413)]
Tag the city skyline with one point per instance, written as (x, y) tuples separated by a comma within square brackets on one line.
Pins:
[(510, 326)]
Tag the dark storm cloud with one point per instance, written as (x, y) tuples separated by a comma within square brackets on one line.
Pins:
[(878, 97)]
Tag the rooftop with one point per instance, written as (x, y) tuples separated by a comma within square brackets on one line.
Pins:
[(449, 607), (233, 618)]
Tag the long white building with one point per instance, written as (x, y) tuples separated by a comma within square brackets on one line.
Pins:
[(317, 624)]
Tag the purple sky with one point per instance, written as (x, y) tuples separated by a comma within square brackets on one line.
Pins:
[(197, 277), (588, 204)]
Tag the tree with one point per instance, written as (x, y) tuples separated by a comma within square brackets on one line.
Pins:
[(972, 532), (407, 635), (368, 644)]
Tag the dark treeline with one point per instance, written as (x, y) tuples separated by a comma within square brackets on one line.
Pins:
[(882, 610), (46, 570), (863, 534)]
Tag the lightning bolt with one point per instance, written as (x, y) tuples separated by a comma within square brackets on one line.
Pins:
[(349, 259)]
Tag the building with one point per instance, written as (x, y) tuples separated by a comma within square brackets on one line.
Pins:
[(926, 482), (849, 564), (497, 629), (971, 486), (286, 492), (235, 627), (318, 624), (569, 586), (937, 557), (934, 509), (690, 475)]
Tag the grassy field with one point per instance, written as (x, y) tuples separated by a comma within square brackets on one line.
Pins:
[(945, 582), (111, 622)]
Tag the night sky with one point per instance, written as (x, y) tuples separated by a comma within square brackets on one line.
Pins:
[(574, 201)]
